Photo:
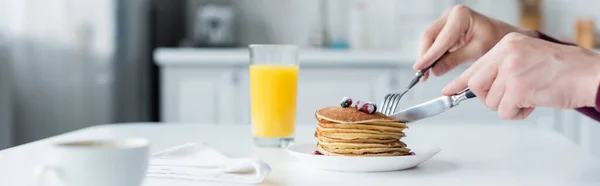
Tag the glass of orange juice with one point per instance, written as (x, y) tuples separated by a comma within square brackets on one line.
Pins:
[(273, 89)]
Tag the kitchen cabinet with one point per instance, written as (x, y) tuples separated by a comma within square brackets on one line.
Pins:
[(197, 95), (322, 87), (221, 94), (212, 86), (200, 86), (325, 86)]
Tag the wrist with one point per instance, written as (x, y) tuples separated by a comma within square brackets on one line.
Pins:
[(504, 28), (510, 28), (528, 32), (596, 84), (591, 88), (592, 95)]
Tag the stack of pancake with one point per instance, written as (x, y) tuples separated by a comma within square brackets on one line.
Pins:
[(349, 132)]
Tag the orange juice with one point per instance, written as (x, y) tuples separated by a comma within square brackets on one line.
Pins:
[(273, 99)]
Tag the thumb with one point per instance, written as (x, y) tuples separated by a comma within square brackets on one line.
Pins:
[(452, 60)]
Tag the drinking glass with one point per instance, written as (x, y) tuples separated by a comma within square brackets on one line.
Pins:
[(273, 89)]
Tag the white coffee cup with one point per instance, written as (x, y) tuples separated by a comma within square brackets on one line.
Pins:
[(115, 162)]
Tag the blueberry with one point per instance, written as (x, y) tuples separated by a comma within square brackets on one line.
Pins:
[(373, 108), (346, 102)]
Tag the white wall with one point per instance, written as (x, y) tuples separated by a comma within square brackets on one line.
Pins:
[(560, 16), (392, 23)]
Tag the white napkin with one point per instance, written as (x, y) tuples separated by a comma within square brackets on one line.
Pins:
[(197, 161)]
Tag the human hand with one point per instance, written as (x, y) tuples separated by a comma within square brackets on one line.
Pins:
[(465, 34), (521, 73)]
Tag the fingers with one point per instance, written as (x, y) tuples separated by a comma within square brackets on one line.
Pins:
[(481, 81), (439, 68), (489, 63), (462, 41), (509, 109), (454, 59), (525, 112), (439, 34), (429, 35), (495, 93), (456, 25), (462, 80), (425, 77)]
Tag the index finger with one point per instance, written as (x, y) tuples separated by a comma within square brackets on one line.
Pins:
[(461, 82), (488, 73), (457, 23), (429, 35)]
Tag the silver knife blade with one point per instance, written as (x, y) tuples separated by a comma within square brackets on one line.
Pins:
[(424, 110)]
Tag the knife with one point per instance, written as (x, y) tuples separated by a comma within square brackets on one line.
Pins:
[(433, 107)]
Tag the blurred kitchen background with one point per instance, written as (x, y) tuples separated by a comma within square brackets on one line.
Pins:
[(71, 64)]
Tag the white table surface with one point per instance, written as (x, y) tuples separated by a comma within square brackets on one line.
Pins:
[(508, 153)]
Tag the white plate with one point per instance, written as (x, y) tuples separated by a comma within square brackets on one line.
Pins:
[(304, 152)]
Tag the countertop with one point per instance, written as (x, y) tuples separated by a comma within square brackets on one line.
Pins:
[(167, 57), (504, 153), (175, 57)]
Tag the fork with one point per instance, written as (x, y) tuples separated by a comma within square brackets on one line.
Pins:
[(390, 102)]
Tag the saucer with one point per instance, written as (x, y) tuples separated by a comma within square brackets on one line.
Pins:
[(305, 153)]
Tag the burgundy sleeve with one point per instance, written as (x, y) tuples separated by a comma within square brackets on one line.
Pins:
[(592, 112)]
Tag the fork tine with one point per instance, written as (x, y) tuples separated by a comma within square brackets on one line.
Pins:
[(390, 103), (386, 100), (394, 103)]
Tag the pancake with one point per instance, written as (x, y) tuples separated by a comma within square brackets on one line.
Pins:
[(349, 132), (363, 152), (394, 124), (339, 134), (338, 145), (375, 123), (366, 154), (361, 127), (359, 151), (351, 115), (358, 129), (326, 139)]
